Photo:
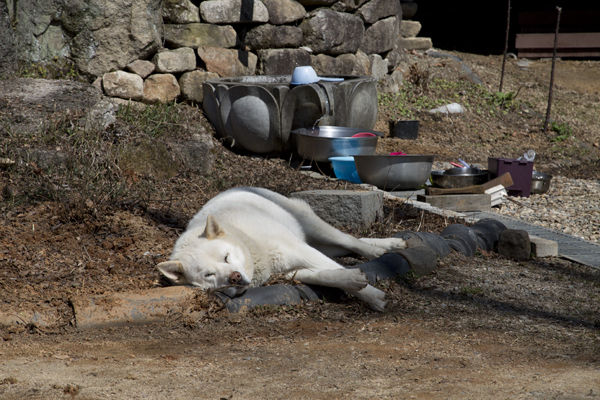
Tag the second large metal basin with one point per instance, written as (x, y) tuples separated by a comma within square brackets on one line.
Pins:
[(322, 142), (394, 172)]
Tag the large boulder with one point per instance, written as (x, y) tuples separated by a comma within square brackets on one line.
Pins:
[(125, 85), (191, 84), (284, 11), (281, 61), (109, 35), (228, 62), (269, 36), (375, 10), (7, 44), (198, 35), (345, 64), (178, 60), (98, 36), (180, 12), (317, 2), (331, 32), (161, 88), (381, 36), (347, 5), (233, 11)]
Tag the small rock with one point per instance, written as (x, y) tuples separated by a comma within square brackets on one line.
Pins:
[(515, 244), (452, 108)]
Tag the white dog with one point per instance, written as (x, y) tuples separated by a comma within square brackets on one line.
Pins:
[(244, 235)]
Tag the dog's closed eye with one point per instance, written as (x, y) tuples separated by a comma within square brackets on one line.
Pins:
[(227, 258), (209, 274)]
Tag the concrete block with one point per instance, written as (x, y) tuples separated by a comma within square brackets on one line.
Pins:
[(541, 247), (345, 208)]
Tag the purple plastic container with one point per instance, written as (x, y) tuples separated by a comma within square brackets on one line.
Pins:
[(520, 171)]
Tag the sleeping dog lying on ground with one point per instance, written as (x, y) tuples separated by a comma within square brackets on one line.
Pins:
[(244, 235)]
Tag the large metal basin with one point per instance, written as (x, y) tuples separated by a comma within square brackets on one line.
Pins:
[(322, 142), (394, 172)]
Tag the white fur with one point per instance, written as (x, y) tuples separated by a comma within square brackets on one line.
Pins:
[(259, 233)]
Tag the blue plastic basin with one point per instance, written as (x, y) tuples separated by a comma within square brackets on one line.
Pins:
[(345, 169)]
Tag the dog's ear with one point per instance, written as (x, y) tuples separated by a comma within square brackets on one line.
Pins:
[(212, 230), (172, 270)]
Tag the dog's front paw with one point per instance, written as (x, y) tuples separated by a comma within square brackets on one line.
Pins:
[(374, 297), (354, 279), (387, 245)]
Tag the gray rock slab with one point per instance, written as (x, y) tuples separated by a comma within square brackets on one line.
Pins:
[(332, 32), (381, 36), (233, 11), (180, 12), (228, 62), (198, 35), (281, 61), (191, 84), (284, 11), (374, 10), (269, 36), (345, 208), (177, 60)]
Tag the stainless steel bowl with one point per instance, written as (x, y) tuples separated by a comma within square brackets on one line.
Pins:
[(459, 177), (394, 172), (322, 142), (540, 182)]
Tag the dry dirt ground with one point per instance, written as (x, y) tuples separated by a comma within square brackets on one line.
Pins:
[(478, 327)]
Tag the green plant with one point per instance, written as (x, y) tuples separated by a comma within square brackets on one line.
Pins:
[(471, 291), (563, 131), (504, 100)]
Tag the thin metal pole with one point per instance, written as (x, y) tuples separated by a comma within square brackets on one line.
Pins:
[(547, 121), (505, 46)]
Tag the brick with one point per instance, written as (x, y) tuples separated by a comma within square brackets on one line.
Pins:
[(541, 247)]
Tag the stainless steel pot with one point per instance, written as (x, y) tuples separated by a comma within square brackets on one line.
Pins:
[(459, 177), (322, 142), (540, 182)]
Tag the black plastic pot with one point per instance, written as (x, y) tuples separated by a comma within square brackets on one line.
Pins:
[(404, 129)]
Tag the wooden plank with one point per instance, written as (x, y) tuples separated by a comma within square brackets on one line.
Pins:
[(585, 40), (560, 53), (459, 202)]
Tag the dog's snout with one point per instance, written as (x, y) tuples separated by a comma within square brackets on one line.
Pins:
[(235, 278)]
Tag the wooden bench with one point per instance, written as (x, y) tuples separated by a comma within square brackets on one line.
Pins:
[(536, 45)]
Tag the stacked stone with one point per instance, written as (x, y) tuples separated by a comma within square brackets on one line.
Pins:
[(268, 37)]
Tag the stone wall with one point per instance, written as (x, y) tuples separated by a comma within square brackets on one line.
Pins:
[(162, 50)]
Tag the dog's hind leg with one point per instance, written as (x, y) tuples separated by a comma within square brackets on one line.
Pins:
[(330, 240)]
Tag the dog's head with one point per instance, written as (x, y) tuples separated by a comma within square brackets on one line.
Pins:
[(209, 261)]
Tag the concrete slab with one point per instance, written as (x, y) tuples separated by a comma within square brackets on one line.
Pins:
[(541, 247), (345, 208)]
